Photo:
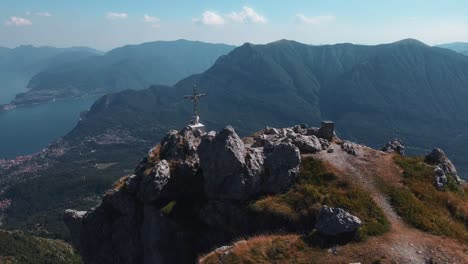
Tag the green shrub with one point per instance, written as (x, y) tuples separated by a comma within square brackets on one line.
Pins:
[(167, 209)]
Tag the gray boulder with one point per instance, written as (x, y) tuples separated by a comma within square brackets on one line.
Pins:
[(350, 148), (440, 179), (270, 131), (325, 143), (438, 157), (282, 162), (395, 145), (222, 160), (336, 221), (307, 144)]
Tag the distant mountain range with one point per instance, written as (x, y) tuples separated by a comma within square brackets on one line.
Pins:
[(404, 89), (129, 67), (460, 47), (18, 65)]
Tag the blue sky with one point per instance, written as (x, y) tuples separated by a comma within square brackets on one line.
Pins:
[(106, 24)]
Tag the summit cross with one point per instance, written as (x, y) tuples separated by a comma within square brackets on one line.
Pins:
[(195, 97)]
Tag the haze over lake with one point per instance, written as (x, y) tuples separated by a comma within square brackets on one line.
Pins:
[(29, 129)]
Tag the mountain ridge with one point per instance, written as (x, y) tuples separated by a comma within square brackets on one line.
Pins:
[(455, 46), (131, 66), (372, 93), (18, 65)]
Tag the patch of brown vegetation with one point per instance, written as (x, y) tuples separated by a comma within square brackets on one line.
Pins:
[(120, 183), (292, 249)]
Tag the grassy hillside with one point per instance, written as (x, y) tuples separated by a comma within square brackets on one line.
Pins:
[(421, 205), (18, 248)]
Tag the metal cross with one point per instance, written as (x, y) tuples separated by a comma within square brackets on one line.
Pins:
[(195, 97)]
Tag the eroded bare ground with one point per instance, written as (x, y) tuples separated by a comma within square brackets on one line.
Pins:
[(403, 244)]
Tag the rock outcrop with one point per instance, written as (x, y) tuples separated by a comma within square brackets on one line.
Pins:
[(444, 168), (336, 221), (189, 195), (350, 148), (395, 145)]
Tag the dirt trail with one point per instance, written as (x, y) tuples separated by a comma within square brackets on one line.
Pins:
[(403, 243)]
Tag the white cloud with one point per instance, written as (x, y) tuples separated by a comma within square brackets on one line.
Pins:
[(210, 18), (18, 21), (246, 15), (114, 15), (150, 19), (28, 13), (154, 21), (315, 20), (43, 14)]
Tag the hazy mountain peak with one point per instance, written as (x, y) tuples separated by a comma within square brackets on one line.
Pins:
[(410, 41), (461, 47)]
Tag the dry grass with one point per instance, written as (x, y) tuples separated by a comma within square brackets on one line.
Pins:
[(120, 183), (288, 249), (265, 249), (316, 187)]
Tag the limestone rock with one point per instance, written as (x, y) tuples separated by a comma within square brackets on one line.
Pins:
[(179, 145), (307, 144), (440, 179), (350, 148), (152, 185), (324, 143), (73, 219), (438, 157), (395, 145), (270, 131), (185, 181), (282, 163), (222, 160), (335, 221)]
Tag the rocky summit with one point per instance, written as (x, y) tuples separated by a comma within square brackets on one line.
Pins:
[(196, 191)]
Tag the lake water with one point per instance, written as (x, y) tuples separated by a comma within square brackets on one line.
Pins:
[(29, 129)]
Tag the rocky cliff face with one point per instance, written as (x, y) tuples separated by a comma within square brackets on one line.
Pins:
[(189, 195), (192, 193)]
